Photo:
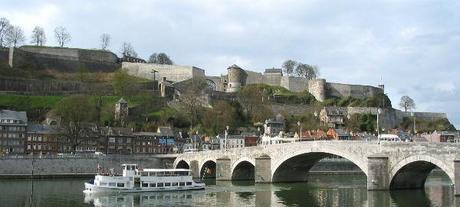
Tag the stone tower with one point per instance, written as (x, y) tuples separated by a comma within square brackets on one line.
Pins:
[(121, 110), (317, 88), (236, 78)]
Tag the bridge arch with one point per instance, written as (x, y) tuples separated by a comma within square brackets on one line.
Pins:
[(208, 168), (411, 172), (243, 170), (295, 166), (182, 164)]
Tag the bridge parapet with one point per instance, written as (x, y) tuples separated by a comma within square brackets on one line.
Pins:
[(402, 159)]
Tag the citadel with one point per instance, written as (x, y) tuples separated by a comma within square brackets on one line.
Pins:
[(72, 59)]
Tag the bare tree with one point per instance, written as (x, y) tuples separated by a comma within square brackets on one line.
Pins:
[(160, 58), (308, 71), (289, 66), (127, 50), (105, 41), (15, 36), (38, 36), (62, 36), (4, 26), (407, 103)]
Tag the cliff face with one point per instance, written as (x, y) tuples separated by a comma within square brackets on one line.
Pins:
[(62, 59)]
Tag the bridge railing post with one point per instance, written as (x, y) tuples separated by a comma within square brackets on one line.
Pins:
[(263, 173), (378, 173)]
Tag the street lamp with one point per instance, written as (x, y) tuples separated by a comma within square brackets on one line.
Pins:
[(300, 130), (154, 78), (378, 129), (226, 135)]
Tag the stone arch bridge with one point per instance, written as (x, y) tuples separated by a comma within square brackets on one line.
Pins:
[(388, 165)]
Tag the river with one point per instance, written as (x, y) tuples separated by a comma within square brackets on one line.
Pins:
[(321, 190)]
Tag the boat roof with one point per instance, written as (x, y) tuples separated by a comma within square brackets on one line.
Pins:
[(166, 170)]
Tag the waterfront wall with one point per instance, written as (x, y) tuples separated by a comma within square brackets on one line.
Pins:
[(44, 167)]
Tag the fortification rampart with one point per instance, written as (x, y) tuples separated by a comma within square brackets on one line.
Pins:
[(296, 84), (64, 59), (350, 90), (175, 73)]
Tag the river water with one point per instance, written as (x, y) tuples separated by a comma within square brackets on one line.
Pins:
[(321, 190)]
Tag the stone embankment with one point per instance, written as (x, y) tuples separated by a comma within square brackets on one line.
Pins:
[(26, 167)]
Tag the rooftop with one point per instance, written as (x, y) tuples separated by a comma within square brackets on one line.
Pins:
[(20, 116)]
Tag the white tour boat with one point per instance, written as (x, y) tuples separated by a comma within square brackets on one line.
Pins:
[(144, 180)]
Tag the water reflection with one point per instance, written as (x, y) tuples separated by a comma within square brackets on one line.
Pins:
[(321, 190), (142, 199)]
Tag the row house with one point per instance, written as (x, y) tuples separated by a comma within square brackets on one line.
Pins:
[(42, 139), (13, 127)]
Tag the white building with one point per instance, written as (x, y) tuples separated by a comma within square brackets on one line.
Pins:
[(233, 141)]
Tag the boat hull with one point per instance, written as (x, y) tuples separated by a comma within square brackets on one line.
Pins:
[(91, 188)]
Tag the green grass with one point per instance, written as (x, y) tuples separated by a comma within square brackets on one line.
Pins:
[(21, 102)]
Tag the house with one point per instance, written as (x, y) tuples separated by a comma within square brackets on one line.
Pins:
[(13, 130), (273, 127), (332, 116), (42, 139), (443, 136), (233, 141), (116, 141), (338, 134)]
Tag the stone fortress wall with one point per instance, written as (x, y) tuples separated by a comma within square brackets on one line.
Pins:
[(175, 73), (64, 59), (319, 88)]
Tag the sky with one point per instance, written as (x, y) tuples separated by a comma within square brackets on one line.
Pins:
[(410, 46)]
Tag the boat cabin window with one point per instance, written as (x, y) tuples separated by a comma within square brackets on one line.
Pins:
[(153, 185), (121, 185), (144, 173), (181, 184), (189, 183), (160, 185), (175, 184), (102, 183), (145, 185), (112, 184), (167, 184)]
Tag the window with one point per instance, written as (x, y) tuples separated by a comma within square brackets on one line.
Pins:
[(120, 185), (189, 183), (181, 184), (160, 185), (175, 184), (145, 185), (167, 184), (102, 184), (112, 184), (153, 185)]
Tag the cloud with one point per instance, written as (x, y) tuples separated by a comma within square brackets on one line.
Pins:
[(413, 45)]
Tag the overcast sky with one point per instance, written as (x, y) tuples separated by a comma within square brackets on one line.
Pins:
[(412, 46)]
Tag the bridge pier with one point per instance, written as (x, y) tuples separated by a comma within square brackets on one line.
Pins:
[(378, 173), (263, 173), (223, 169), (195, 168), (457, 177)]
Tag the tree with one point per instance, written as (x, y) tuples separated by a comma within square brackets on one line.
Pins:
[(127, 50), (191, 98), (160, 58), (289, 66), (76, 112), (38, 36), (308, 71), (4, 26), (105, 41), (222, 114), (62, 36), (407, 103), (251, 99), (15, 36)]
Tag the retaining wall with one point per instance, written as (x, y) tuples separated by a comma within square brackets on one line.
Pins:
[(43, 167)]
